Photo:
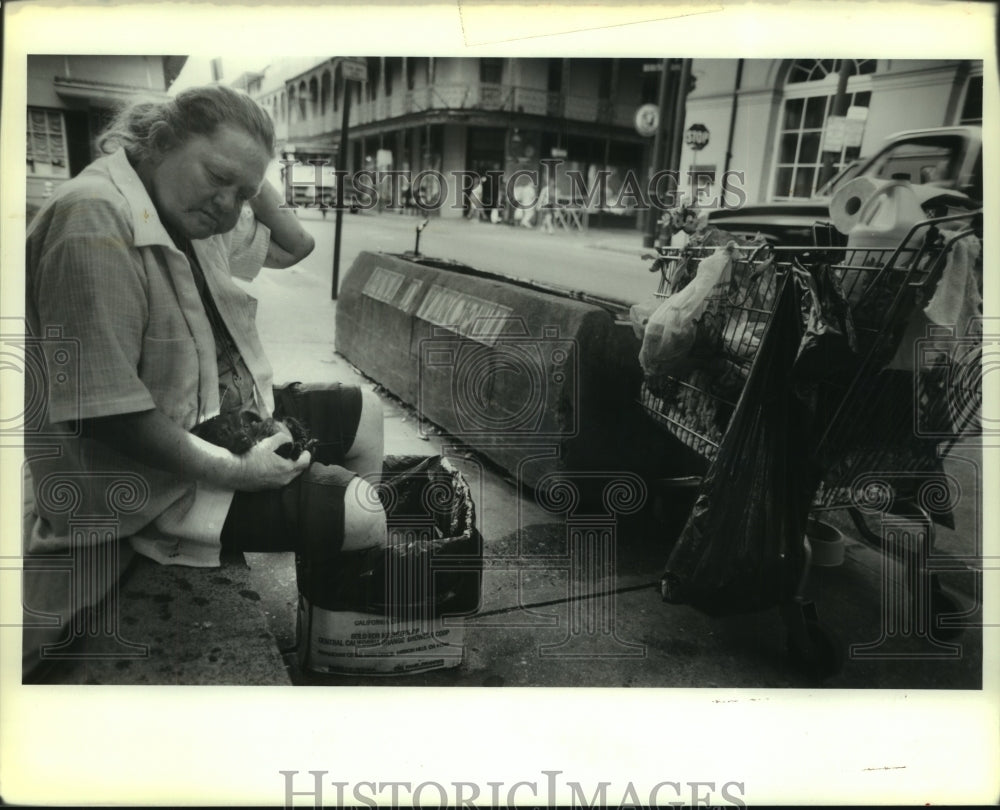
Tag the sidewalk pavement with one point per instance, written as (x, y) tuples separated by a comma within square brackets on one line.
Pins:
[(618, 239), (532, 629), (548, 618)]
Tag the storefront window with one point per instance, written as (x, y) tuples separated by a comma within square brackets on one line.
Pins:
[(804, 159), (46, 143), (812, 70)]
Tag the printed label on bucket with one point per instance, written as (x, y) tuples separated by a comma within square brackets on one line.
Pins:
[(351, 643)]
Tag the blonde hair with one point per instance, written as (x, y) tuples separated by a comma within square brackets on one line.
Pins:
[(146, 128)]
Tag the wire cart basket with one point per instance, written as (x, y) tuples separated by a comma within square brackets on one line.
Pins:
[(908, 399)]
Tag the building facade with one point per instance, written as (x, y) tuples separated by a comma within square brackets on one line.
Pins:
[(70, 101), (766, 119), (763, 123), (482, 115)]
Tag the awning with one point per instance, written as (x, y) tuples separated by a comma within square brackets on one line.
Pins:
[(101, 93)]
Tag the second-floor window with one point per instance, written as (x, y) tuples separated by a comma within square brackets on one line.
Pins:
[(324, 92), (604, 79), (490, 71), (46, 143), (555, 76), (371, 86)]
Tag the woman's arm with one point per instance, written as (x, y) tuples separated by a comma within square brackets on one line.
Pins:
[(151, 438), (290, 242)]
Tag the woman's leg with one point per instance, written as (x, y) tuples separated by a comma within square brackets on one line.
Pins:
[(365, 454), (346, 421), (333, 503), (327, 507), (364, 517)]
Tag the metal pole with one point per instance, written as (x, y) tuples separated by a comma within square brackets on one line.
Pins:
[(677, 124), (655, 164), (839, 107), (732, 127), (341, 174)]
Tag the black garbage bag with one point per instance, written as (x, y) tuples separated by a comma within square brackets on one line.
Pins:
[(741, 549), (829, 347), (433, 564)]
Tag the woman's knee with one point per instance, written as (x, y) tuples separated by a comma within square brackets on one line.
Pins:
[(364, 517), (372, 421), (366, 451)]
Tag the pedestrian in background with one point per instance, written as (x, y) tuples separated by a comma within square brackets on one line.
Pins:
[(475, 199), (525, 195), (545, 207)]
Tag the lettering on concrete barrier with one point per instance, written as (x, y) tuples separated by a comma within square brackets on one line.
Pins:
[(392, 288), (471, 317)]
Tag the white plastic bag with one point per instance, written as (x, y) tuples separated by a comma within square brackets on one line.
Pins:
[(639, 315), (672, 328)]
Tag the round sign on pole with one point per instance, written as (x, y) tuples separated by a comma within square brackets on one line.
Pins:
[(696, 136), (647, 119)]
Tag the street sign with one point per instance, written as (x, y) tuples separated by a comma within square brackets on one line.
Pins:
[(845, 131), (833, 133), (854, 132), (354, 70), (647, 119), (697, 136)]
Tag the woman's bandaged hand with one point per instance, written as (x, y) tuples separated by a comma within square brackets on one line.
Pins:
[(263, 468), (271, 452)]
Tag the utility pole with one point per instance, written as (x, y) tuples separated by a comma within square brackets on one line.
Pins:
[(838, 108), (656, 162), (677, 119), (351, 70)]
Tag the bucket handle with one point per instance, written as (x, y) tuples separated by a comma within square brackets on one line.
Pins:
[(865, 212)]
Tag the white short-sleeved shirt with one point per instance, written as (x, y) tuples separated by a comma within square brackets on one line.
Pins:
[(106, 286)]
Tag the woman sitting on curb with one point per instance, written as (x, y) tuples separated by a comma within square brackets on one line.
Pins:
[(131, 263)]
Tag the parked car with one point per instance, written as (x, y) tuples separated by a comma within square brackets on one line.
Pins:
[(949, 157)]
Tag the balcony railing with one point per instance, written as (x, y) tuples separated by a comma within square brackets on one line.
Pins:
[(479, 96)]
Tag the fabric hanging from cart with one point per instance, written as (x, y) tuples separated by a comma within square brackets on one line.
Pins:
[(875, 433), (910, 396), (741, 549)]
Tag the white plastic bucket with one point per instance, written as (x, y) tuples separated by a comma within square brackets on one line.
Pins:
[(346, 642), (886, 217)]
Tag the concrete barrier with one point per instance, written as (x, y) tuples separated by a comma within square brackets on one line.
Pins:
[(538, 382)]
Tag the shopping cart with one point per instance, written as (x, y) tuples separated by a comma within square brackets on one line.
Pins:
[(866, 418)]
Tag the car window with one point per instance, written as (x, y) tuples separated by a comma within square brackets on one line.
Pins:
[(925, 160), (849, 172)]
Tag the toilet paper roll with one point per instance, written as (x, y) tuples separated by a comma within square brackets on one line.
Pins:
[(846, 204)]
